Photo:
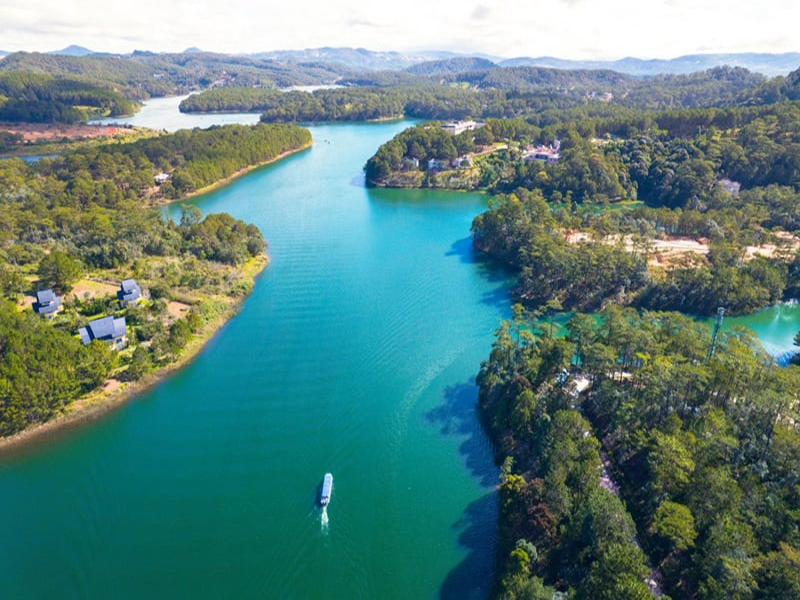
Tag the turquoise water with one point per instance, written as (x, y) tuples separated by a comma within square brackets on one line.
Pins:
[(775, 326), (355, 354)]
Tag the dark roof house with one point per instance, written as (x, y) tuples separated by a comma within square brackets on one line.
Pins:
[(129, 292), (47, 303), (106, 329)]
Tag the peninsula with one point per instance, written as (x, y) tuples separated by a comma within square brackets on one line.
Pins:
[(82, 250)]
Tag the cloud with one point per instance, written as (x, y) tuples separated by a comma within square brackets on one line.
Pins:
[(362, 23), (480, 13), (564, 28)]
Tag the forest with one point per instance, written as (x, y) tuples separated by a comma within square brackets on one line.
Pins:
[(500, 92), (31, 98), (84, 217), (639, 458), (140, 75)]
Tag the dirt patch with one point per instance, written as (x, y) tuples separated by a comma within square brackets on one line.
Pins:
[(177, 310), (86, 288), (41, 132), (665, 251)]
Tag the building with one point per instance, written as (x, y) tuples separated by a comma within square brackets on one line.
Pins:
[(161, 178), (545, 154), (456, 127), (47, 303), (129, 292), (435, 164), (732, 187), (410, 163), (461, 162), (110, 330)]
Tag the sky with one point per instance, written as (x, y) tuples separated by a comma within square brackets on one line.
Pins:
[(578, 29)]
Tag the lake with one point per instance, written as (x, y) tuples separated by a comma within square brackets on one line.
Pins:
[(355, 354)]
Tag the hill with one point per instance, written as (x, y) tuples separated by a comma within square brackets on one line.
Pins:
[(144, 74), (767, 64), (450, 65), (73, 50)]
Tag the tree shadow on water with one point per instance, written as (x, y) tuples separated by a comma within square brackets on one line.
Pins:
[(465, 251), (473, 577), (491, 270), (457, 415)]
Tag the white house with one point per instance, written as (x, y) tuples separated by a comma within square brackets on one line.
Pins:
[(456, 127), (545, 154), (436, 164)]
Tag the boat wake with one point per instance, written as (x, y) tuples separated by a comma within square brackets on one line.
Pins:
[(324, 519)]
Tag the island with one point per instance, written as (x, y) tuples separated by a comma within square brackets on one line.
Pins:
[(102, 295)]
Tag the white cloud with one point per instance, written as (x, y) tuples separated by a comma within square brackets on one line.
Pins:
[(565, 28)]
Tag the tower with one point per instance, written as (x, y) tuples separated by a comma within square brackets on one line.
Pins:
[(717, 325)]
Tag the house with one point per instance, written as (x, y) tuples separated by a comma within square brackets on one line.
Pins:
[(129, 292), (410, 163), (456, 127), (111, 330), (161, 178), (732, 187), (47, 303), (435, 164), (461, 161), (545, 154)]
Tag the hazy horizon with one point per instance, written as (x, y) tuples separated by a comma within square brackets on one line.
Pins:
[(569, 29)]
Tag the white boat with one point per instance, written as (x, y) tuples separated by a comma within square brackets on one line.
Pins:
[(327, 488)]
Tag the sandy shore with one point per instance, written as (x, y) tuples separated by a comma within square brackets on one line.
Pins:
[(233, 176), (114, 394)]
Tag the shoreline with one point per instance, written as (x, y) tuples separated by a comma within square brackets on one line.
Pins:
[(99, 403), (233, 176)]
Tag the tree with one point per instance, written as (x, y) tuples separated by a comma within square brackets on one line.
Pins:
[(96, 363), (190, 215), (59, 270), (780, 572), (140, 364), (675, 524)]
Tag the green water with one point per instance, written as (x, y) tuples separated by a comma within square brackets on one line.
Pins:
[(775, 326), (355, 354)]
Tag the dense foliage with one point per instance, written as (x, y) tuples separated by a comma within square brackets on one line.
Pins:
[(521, 230), (26, 97), (144, 74), (705, 451), (497, 92), (42, 369)]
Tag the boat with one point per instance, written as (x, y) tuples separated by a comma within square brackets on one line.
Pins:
[(327, 488)]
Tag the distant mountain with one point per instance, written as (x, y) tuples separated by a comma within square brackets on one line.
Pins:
[(767, 64), (192, 50), (361, 59), (446, 66), (358, 59), (73, 50)]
